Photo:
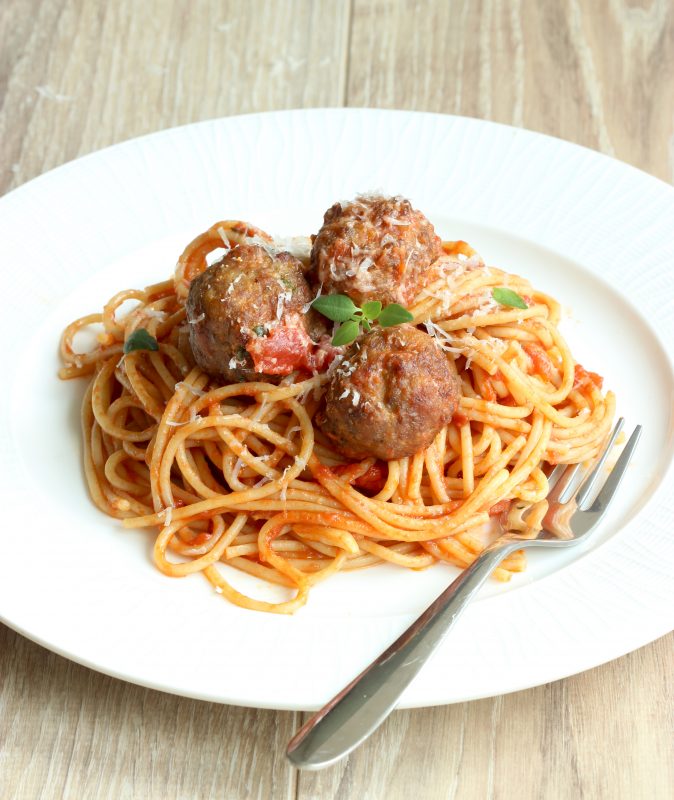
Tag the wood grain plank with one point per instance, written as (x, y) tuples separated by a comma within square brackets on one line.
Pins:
[(603, 734), (68, 732), (79, 75), (597, 73)]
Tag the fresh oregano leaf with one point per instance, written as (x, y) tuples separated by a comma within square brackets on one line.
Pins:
[(506, 297), (337, 307), (140, 339), (346, 333), (394, 314), (371, 309)]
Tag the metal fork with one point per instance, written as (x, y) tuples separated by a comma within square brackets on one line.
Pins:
[(361, 707)]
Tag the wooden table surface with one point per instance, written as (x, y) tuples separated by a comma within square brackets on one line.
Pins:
[(77, 75)]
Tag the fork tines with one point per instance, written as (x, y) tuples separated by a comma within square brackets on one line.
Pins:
[(568, 481)]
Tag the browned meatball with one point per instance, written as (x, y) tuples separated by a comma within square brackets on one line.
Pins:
[(245, 316), (390, 396), (374, 248)]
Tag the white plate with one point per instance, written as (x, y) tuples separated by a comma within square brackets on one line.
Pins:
[(595, 233)]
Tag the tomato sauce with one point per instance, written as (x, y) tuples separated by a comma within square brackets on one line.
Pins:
[(499, 508), (581, 378), (371, 482), (541, 360), (488, 392)]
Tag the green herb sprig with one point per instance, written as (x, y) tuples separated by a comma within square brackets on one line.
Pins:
[(140, 339), (341, 308), (506, 297)]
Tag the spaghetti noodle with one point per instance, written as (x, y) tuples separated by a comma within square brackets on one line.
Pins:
[(239, 474)]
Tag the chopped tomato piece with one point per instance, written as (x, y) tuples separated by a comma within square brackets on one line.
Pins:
[(487, 390), (499, 508), (458, 247), (596, 379), (345, 470), (541, 360), (581, 377), (285, 349), (372, 481)]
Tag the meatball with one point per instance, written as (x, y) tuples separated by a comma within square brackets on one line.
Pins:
[(390, 396), (245, 316), (374, 248)]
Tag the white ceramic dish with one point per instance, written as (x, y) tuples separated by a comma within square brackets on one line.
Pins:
[(595, 233)]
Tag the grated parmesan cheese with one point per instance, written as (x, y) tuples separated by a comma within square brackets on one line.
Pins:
[(200, 318), (486, 304), (216, 255), (231, 286), (283, 298), (345, 368), (222, 233), (307, 306), (336, 361), (362, 266), (189, 388), (355, 395), (284, 488), (238, 466), (443, 339), (298, 246)]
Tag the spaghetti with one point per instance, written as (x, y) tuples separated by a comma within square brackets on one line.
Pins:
[(239, 474)]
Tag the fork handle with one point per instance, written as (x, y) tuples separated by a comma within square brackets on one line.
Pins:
[(361, 707)]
